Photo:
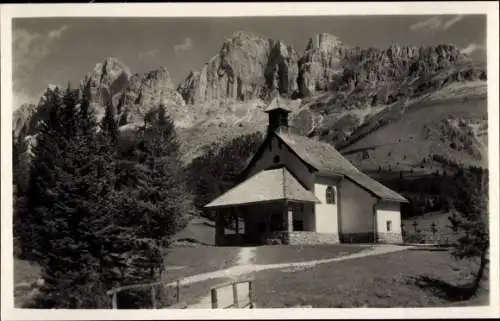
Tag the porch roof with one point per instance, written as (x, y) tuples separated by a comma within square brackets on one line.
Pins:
[(269, 185)]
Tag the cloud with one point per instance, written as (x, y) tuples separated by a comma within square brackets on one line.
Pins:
[(148, 54), (473, 47), (22, 97), (186, 45), (436, 23), (57, 33), (28, 50), (431, 23), (448, 24)]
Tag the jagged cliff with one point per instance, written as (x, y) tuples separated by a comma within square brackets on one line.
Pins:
[(339, 93), (320, 63), (246, 67)]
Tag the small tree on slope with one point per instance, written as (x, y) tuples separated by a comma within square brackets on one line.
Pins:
[(472, 221)]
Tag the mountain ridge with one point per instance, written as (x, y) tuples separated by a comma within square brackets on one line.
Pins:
[(337, 92)]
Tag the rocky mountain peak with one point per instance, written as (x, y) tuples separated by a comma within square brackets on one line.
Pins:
[(155, 86), (248, 66), (323, 42), (108, 71), (321, 61)]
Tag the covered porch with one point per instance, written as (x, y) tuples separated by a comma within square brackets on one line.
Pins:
[(267, 208), (263, 223)]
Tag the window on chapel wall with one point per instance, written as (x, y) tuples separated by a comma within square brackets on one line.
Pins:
[(330, 195)]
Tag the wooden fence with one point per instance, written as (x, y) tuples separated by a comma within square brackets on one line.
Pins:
[(153, 292), (415, 232), (233, 295)]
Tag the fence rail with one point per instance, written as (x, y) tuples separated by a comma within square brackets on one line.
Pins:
[(414, 232), (153, 294), (232, 296)]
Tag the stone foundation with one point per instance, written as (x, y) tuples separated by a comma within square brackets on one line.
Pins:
[(389, 238), (301, 237), (307, 237), (304, 237), (357, 238)]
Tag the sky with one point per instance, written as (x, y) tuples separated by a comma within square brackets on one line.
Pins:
[(58, 50)]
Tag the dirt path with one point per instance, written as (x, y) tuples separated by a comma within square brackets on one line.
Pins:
[(246, 255), (244, 267)]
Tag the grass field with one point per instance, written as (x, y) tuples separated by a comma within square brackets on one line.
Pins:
[(411, 278), (25, 272), (298, 253), (403, 279), (180, 262), (186, 261), (191, 293)]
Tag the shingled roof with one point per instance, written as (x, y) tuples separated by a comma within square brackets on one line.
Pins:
[(327, 160), (375, 187), (268, 185), (320, 155)]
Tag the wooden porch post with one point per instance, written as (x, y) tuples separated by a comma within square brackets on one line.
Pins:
[(288, 217), (237, 221), (219, 226)]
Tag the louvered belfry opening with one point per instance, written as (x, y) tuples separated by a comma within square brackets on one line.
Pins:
[(278, 119), (278, 115)]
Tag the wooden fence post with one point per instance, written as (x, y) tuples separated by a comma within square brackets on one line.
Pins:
[(214, 298), (178, 291), (235, 295), (250, 295), (434, 230), (114, 299), (153, 296)]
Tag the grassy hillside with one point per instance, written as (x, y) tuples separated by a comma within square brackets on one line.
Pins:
[(451, 123)]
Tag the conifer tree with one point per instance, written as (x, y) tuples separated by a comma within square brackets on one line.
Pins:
[(47, 151), (70, 266), (148, 204), (20, 173), (471, 221), (219, 169), (161, 200)]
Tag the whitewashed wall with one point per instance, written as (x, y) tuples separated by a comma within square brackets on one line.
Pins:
[(326, 214), (388, 211), (287, 157), (356, 208)]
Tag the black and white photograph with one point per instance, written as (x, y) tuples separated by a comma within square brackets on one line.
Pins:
[(172, 160)]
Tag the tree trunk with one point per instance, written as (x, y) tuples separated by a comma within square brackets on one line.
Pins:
[(480, 273)]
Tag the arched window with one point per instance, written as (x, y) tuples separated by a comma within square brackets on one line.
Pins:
[(330, 195)]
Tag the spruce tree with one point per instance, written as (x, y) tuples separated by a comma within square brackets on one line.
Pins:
[(20, 173), (70, 269), (219, 169), (471, 221), (47, 152), (162, 200)]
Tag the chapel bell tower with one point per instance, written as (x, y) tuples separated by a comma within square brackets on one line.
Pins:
[(278, 116)]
